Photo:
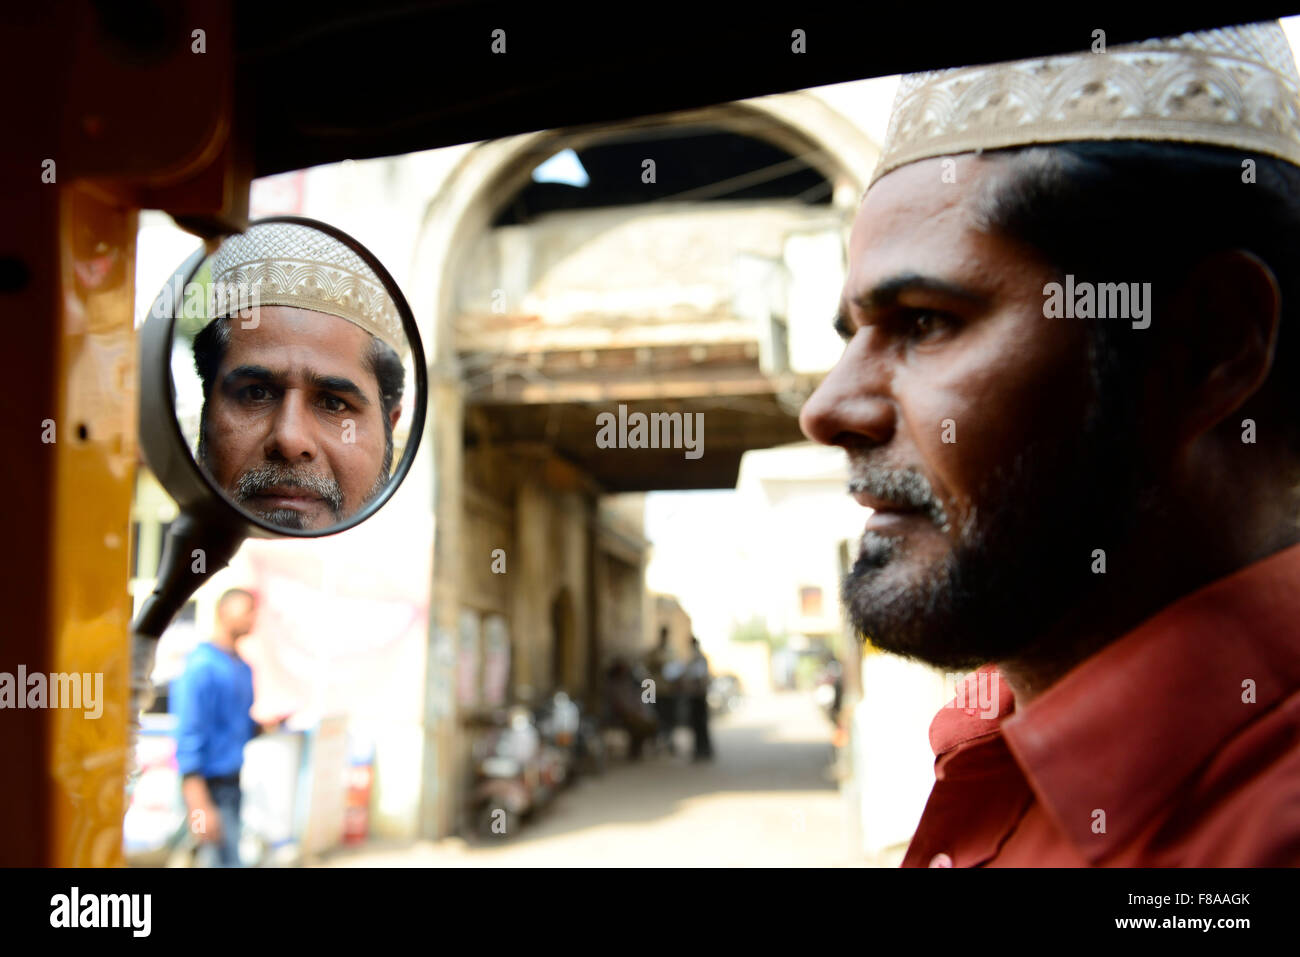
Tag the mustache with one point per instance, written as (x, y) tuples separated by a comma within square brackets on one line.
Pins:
[(262, 477), (906, 487)]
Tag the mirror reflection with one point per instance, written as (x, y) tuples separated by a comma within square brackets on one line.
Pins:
[(291, 368)]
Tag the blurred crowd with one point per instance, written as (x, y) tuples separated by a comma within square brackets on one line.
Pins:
[(652, 697)]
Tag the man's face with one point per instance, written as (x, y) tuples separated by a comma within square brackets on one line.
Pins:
[(971, 425), (294, 424), (238, 615)]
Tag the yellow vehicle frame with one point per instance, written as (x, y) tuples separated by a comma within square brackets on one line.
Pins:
[(100, 142)]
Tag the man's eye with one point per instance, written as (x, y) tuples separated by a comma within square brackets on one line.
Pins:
[(256, 393), (333, 403), (923, 324)]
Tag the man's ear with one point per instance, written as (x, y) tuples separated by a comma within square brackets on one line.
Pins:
[(1226, 315), (395, 415)]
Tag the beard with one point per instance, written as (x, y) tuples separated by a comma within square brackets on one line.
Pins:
[(1023, 555), (270, 474)]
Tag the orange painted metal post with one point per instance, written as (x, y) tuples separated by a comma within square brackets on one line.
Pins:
[(112, 118), (93, 477)]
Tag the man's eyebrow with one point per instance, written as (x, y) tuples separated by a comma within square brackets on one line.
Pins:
[(336, 383), (887, 292), (259, 373)]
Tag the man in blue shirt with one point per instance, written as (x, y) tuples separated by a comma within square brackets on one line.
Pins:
[(211, 700)]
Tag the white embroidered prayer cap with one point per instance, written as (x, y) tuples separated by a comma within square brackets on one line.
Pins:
[(288, 264), (1235, 87)]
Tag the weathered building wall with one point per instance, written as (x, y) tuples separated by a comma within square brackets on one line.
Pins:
[(543, 513), (551, 588), (620, 584), (645, 262)]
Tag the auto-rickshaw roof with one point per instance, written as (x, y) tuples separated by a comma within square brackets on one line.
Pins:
[(324, 81)]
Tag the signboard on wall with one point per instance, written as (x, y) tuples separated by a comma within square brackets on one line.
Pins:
[(326, 780), (440, 699), (467, 660), (496, 661), (155, 812)]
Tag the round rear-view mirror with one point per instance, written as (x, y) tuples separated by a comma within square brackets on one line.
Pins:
[(283, 382), (282, 394)]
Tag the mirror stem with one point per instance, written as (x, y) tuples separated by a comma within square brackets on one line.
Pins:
[(193, 552)]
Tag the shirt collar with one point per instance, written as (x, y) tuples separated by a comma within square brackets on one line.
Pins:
[(981, 702), (221, 653), (1121, 732)]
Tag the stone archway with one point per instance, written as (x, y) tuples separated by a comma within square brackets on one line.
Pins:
[(463, 207), (458, 214)]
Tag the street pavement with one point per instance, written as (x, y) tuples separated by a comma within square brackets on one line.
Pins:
[(768, 799)]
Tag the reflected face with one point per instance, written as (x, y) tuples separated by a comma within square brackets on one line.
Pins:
[(971, 423), (294, 427)]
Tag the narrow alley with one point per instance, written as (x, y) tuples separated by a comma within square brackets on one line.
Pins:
[(768, 799)]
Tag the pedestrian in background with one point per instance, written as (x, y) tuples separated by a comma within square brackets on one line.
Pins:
[(625, 708), (696, 689), (211, 700), (661, 666)]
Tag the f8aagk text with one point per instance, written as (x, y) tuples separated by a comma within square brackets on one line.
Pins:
[(102, 910)]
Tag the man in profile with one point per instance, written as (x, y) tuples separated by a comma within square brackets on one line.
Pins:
[(211, 701), (1092, 501), (301, 392)]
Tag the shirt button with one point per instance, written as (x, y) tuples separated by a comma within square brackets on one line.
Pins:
[(941, 860)]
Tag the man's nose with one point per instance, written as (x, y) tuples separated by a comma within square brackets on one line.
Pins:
[(293, 433), (853, 402)]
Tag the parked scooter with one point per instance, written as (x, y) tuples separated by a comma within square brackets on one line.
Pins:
[(625, 708), (509, 769), (558, 721), (724, 694), (829, 691), (590, 748), (575, 735)]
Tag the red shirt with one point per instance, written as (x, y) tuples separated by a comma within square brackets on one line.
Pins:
[(1178, 745)]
